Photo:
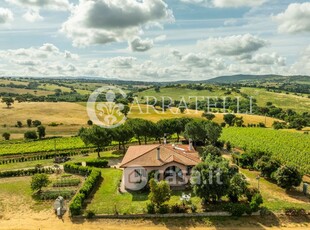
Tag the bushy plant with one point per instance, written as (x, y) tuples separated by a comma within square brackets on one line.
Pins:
[(256, 201), (163, 209), (150, 208)]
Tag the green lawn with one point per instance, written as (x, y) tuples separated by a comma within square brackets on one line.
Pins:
[(107, 197)]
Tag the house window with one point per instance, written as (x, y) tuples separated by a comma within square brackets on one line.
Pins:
[(189, 170)]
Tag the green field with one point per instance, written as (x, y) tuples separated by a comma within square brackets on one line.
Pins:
[(176, 93), (14, 147), (288, 147), (282, 100)]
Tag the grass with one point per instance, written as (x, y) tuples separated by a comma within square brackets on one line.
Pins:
[(15, 194), (107, 199), (276, 198), (282, 100), (176, 93)]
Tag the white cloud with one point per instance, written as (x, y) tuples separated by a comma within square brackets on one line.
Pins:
[(265, 59), (226, 3), (6, 15), (45, 4), (302, 65), (139, 45), (106, 21), (296, 18), (238, 3), (32, 16), (233, 45)]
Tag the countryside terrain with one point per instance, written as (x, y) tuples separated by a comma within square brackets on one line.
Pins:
[(278, 126)]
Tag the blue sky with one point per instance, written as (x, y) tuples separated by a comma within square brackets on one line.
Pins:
[(154, 40)]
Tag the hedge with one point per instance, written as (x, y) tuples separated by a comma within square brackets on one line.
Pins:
[(66, 182), (98, 163), (26, 172), (93, 177)]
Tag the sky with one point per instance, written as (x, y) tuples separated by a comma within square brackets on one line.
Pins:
[(154, 40)]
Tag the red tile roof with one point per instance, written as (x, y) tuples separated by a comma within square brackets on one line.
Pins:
[(146, 155)]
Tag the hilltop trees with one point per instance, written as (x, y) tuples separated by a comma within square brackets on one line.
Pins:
[(8, 101), (29, 122), (6, 136), (99, 137), (229, 119), (41, 131)]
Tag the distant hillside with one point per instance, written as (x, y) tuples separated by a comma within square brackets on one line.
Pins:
[(260, 79)]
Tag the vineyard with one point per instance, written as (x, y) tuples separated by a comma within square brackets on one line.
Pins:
[(14, 147), (288, 147)]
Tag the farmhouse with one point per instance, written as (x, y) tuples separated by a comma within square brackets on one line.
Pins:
[(170, 162)]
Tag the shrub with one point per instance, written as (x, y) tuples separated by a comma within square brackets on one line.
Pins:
[(98, 163), (163, 209), (150, 207), (90, 214), (76, 205), (6, 136), (228, 145), (193, 208), (256, 201), (250, 192), (179, 208), (287, 177), (237, 209), (30, 135)]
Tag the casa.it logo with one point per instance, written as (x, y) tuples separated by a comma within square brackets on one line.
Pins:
[(102, 108)]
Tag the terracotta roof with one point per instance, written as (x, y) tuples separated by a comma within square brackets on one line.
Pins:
[(146, 155)]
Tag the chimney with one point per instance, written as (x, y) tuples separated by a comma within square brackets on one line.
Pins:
[(158, 153), (190, 144), (165, 138)]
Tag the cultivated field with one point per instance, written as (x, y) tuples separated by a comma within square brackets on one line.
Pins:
[(289, 147)]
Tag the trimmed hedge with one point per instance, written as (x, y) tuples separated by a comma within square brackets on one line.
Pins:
[(93, 177), (98, 163), (26, 172)]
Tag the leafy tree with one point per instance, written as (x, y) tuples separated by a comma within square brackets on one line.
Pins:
[(141, 128), (209, 116), (287, 177), (195, 130), (178, 125), (157, 89), (8, 101), (267, 166), (97, 136), (160, 192), (38, 181), (210, 179), (229, 119), (278, 125), (237, 187), (30, 135), (210, 150), (19, 124), (36, 123), (122, 134), (6, 136), (256, 201), (213, 131), (90, 122), (29, 122), (125, 110), (41, 131)]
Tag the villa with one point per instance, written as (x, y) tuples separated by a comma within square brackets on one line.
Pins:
[(168, 161)]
